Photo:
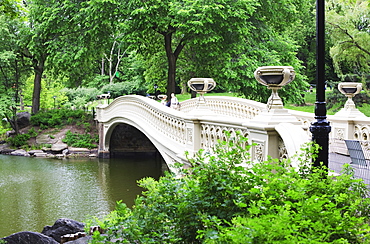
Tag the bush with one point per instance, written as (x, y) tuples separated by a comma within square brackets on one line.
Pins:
[(227, 198), (57, 117), (123, 88), (80, 140), (19, 140)]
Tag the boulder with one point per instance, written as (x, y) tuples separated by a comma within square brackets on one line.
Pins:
[(40, 155), (58, 147), (62, 227), (20, 152), (6, 150), (27, 237), (82, 240), (23, 119), (45, 139)]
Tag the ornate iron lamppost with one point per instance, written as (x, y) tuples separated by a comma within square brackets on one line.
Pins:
[(320, 128)]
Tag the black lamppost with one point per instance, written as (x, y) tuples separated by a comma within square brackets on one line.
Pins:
[(155, 91), (54, 97), (320, 128)]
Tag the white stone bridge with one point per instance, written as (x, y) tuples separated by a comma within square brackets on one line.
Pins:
[(139, 124)]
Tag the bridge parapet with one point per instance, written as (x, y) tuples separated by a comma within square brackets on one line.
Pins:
[(173, 132), (228, 106)]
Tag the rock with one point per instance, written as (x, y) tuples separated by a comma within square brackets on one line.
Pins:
[(27, 237), (82, 240), (62, 227), (65, 151), (10, 133), (23, 119), (6, 150), (58, 147), (59, 156), (32, 152), (77, 150), (40, 155), (45, 139), (20, 152)]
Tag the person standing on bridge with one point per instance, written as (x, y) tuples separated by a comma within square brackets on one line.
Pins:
[(174, 102)]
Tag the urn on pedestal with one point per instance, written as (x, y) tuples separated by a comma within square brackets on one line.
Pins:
[(201, 86), (274, 77), (350, 89)]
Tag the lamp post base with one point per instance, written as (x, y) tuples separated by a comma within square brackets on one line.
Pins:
[(320, 130)]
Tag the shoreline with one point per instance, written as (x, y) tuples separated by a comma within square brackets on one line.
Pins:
[(58, 153)]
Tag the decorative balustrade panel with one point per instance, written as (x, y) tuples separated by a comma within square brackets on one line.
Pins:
[(212, 132), (228, 106)]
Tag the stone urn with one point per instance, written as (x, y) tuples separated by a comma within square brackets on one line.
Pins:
[(201, 86), (350, 89), (274, 77)]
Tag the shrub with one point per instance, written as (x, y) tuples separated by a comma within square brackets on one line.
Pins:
[(57, 117), (80, 140), (123, 88), (19, 140), (226, 198)]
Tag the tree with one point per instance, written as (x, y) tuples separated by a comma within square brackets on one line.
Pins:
[(241, 34), (181, 23), (349, 26), (56, 37), (13, 70)]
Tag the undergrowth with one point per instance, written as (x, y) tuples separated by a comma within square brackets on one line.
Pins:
[(225, 197)]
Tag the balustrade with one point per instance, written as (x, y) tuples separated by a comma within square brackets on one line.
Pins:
[(174, 132)]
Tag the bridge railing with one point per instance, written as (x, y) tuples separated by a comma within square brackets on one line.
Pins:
[(228, 106), (174, 132)]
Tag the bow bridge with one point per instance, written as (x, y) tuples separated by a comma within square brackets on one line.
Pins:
[(137, 124)]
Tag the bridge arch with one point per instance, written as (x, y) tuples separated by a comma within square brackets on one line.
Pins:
[(118, 131)]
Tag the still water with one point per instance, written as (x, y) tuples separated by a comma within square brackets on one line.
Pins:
[(35, 192)]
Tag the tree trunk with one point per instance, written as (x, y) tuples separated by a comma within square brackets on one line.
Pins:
[(39, 70), (171, 59)]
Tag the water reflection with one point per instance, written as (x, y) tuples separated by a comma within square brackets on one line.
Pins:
[(36, 192)]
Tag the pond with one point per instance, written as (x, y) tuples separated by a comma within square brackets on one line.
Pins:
[(35, 192)]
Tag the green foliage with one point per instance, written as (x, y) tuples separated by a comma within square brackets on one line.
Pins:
[(226, 198), (80, 140), (348, 25), (57, 117), (79, 97), (123, 88), (19, 140), (32, 132)]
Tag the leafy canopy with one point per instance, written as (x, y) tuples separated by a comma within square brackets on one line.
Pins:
[(349, 26)]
